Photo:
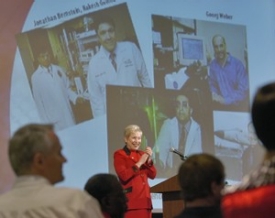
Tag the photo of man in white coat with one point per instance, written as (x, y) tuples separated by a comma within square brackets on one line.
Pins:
[(52, 93), (116, 63), (180, 132)]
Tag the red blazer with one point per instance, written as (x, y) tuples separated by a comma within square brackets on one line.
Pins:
[(254, 203), (134, 180)]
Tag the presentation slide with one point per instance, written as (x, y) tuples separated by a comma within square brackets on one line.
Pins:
[(184, 71)]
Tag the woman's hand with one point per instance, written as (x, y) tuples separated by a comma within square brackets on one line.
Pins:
[(142, 160), (149, 151)]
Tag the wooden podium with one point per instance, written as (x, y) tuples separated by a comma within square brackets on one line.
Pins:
[(172, 203)]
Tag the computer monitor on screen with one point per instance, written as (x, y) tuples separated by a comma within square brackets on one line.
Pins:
[(191, 49)]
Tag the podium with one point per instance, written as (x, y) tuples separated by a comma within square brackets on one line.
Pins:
[(172, 203)]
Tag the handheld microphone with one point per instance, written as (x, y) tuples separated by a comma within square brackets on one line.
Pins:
[(178, 153)]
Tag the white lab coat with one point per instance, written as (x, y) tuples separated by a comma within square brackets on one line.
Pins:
[(52, 95), (169, 137), (131, 71)]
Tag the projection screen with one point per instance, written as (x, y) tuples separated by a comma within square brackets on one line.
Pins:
[(169, 50)]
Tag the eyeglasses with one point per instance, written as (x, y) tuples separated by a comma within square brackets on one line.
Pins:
[(181, 104), (44, 55)]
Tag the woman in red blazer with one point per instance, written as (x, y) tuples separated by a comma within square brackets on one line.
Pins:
[(133, 168)]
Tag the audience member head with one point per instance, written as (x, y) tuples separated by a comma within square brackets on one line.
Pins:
[(201, 178), (263, 115), (105, 28), (35, 149), (109, 193)]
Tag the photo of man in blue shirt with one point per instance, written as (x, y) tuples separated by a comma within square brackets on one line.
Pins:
[(228, 78)]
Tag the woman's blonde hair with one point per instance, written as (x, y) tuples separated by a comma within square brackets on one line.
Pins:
[(131, 129)]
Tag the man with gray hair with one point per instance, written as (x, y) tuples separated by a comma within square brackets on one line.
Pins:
[(35, 155)]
